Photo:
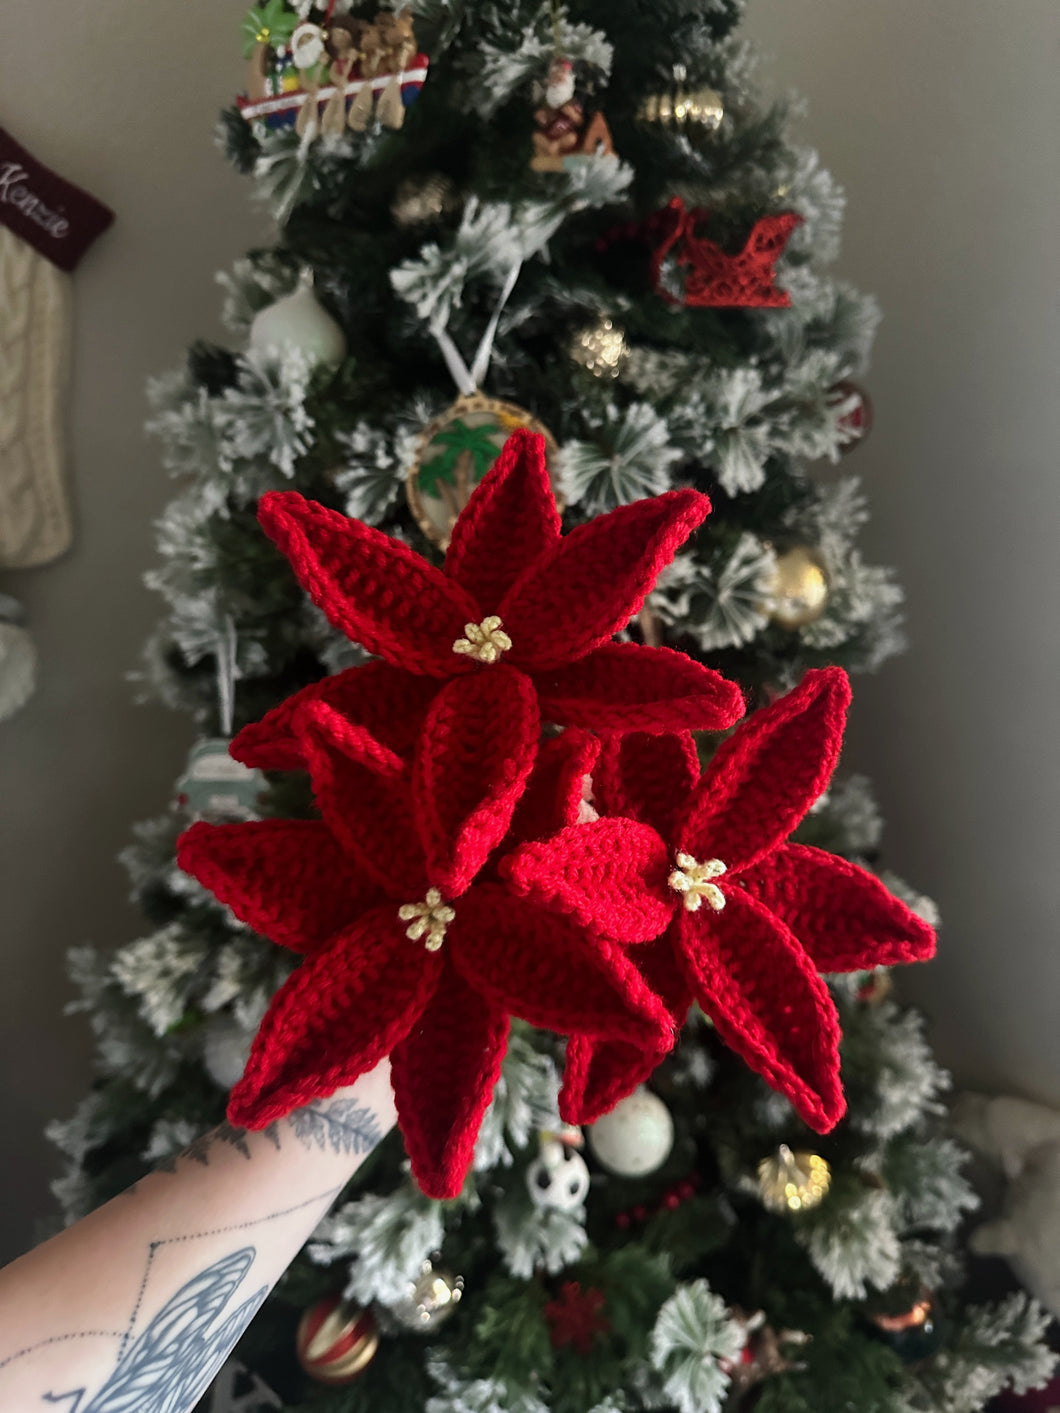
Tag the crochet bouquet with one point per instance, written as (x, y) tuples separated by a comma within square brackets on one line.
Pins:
[(513, 822)]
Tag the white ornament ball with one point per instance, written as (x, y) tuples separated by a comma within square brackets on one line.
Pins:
[(636, 1137), (558, 1178), (18, 658), (300, 321), (225, 1050)]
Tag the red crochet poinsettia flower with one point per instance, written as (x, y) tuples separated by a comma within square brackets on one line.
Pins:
[(514, 590), (409, 952), (698, 871)]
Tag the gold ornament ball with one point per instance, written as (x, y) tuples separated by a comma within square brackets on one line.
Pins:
[(600, 348), (430, 1299), (336, 1341), (682, 107), (798, 592), (420, 200), (793, 1182)]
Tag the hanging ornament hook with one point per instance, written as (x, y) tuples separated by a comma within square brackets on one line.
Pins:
[(227, 644)]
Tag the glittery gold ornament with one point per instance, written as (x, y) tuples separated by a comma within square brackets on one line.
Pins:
[(793, 1182), (336, 1341), (420, 200), (600, 348), (455, 451), (429, 1300), (682, 107), (798, 591)]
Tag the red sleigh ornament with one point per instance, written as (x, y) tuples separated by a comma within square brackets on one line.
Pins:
[(689, 269)]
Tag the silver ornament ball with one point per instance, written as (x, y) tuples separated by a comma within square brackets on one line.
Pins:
[(636, 1137)]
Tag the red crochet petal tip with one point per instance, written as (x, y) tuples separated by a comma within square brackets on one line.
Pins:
[(842, 914), (598, 1073), (555, 793), (510, 521), (767, 1002), (335, 1018), (474, 758), (596, 579), (629, 687), (287, 879), (647, 778), (609, 876), (766, 775), (443, 1074), (551, 973), (387, 702), (367, 809), (373, 588)]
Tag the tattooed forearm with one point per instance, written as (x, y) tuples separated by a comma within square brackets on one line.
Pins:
[(340, 1126), (136, 1307), (170, 1365)]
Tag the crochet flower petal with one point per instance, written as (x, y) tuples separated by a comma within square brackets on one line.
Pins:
[(443, 1074), (473, 760), (598, 1073), (386, 701), (287, 879), (647, 778), (510, 521), (372, 587), (555, 793), (625, 687), (362, 791), (768, 773), (767, 1002), (843, 915), (549, 972), (335, 1018), (596, 579), (609, 876)]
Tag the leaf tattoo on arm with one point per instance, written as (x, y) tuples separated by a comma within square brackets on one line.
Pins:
[(344, 1126)]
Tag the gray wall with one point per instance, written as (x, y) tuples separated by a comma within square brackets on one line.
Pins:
[(143, 84), (941, 120)]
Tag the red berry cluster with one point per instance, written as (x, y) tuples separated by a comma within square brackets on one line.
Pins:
[(674, 1197)]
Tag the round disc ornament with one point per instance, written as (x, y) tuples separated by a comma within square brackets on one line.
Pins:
[(636, 1137), (454, 452)]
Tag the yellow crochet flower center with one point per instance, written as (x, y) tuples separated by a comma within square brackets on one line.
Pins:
[(485, 641), (428, 919), (692, 880)]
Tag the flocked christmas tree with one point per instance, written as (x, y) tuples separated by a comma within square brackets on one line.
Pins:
[(582, 220)]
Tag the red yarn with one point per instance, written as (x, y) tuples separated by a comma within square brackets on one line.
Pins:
[(576, 1317), (788, 910), (332, 891), (713, 278), (560, 600)]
